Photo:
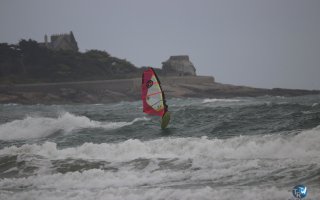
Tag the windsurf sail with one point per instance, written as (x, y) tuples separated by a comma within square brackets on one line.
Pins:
[(153, 98)]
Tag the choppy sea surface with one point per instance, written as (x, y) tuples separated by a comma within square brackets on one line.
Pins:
[(240, 148)]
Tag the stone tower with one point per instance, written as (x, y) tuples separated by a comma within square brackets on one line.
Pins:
[(178, 66), (62, 42), (46, 40)]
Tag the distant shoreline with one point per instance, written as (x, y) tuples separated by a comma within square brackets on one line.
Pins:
[(108, 91)]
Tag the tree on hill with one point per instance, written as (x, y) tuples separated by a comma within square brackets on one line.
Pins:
[(29, 61)]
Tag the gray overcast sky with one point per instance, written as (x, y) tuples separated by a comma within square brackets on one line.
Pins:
[(269, 43)]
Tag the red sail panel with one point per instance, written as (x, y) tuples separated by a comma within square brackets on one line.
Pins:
[(151, 94)]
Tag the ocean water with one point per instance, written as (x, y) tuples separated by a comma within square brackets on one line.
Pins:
[(240, 148)]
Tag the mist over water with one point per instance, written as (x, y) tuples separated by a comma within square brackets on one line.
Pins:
[(241, 148)]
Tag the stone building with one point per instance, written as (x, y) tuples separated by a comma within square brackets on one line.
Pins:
[(178, 66), (61, 42)]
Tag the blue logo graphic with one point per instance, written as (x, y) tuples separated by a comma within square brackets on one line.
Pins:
[(300, 191)]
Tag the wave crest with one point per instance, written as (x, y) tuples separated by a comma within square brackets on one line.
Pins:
[(35, 127), (302, 146), (220, 100)]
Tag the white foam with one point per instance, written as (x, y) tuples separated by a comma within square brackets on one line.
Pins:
[(231, 162), (125, 184), (220, 100), (205, 193), (304, 145), (10, 104), (35, 127)]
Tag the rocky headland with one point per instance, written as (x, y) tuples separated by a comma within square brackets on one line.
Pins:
[(108, 91), (31, 73)]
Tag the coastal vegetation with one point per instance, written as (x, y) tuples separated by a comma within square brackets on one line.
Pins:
[(31, 62)]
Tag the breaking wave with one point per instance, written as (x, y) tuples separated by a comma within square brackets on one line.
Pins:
[(100, 192), (167, 168), (303, 145), (35, 127), (264, 147)]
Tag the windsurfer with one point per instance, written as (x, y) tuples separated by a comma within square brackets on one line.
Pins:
[(153, 99)]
